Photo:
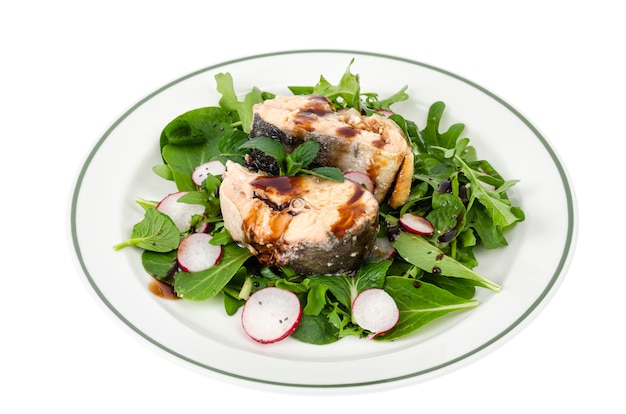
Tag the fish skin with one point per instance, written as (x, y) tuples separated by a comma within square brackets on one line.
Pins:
[(312, 225)]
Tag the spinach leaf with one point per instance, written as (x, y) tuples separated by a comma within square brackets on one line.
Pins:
[(419, 303), (161, 265), (447, 213), (231, 304), (419, 252), (199, 286), (459, 287), (230, 147), (182, 160), (197, 126), (156, 232), (317, 330)]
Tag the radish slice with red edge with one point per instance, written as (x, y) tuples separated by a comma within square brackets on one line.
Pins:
[(271, 314), (196, 254), (375, 311), (180, 213), (416, 224), (208, 168), (361, 179)]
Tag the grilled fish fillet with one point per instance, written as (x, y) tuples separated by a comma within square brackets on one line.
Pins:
[(312, 225), (349, 141)]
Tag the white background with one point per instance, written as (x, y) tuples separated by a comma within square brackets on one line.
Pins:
[(70, 68)]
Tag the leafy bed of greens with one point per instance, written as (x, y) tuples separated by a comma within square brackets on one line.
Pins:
[(462, 196)]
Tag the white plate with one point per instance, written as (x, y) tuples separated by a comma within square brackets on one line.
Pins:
[(201, 336)]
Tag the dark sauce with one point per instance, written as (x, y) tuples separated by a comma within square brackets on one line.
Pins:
[(280, 185), (347, 132), (279, 221), (349, 212), (316, 107), (162, 290), (379, 143)]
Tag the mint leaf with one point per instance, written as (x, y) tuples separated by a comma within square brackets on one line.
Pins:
[(156, 232), (267, 145), (301, 157), (329, 173), (305, 153)]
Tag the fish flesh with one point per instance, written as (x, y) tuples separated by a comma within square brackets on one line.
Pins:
[(374, 145), (310, 224)]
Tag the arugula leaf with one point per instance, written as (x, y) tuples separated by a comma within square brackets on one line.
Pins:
[(346, 288), (230, 101), (347, 93), (499, 209), (156, 232), (329, 299)]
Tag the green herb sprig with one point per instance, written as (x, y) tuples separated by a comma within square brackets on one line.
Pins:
[(294, 163)]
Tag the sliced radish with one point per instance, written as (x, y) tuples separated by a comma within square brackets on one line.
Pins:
[(361, 179), (196, 254), (271, 314), (416, 224), (208, 168), (180, 213), (375, 310), (202, 227)]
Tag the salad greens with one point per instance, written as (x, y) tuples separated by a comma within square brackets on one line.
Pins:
[(463, 197)]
